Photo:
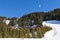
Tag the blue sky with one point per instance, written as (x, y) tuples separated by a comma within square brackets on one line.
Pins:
[(18, 8)]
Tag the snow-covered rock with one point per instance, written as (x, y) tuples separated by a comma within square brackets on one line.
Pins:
[(7, 21), (33, 26)]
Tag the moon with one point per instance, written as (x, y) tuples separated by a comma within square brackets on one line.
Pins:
[(39, 5)]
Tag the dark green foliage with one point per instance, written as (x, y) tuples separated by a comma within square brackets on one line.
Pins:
[(8, 32), (39, 17)]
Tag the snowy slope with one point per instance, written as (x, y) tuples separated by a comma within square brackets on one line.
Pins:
[(54, 34)]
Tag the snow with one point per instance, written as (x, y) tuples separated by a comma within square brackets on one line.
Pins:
[(53, 34), (16, 26), (34, 26), (7, 21)]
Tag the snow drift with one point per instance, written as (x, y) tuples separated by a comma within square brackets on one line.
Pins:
[(53, 34)]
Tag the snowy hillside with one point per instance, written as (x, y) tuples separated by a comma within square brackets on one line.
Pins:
[(54, 34)]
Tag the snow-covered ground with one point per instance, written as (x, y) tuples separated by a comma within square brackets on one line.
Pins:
[(53, 34)]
